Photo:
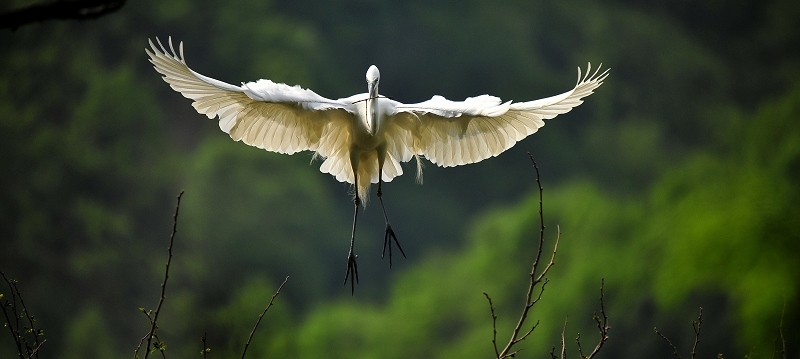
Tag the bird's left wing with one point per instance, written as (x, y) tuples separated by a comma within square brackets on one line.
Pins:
[(264, 114), (453, 133)]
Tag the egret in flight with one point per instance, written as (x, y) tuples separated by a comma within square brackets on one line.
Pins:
[(363, 138)]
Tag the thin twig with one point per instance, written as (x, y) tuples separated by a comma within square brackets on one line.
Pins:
[(36, 350), (13, 327), (141, 341), (154, 321), (541, 215), (17, 308), (552, 257), (674, 349), (262, 316), (696, 326), (371, 98), (155, 335), (147, 313), (533, 327), (206, 349), (544, 284), (780, 329), (30, 322), (494, 325), (602, 326), (563, 342)]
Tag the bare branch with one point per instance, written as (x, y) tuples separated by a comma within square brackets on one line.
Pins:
[(158, 343), (602, 326), (696, 326), (58, 10), (154, 320), (30, 322), (534, 278), (13, 327), (674, 349), (538, 276), (563, 342), (552, 257), (262, 316), (35, 351), (206, 349), (780, 330), (494, 325), (541, 291), (528, 332), (541, 216), (17, 309)]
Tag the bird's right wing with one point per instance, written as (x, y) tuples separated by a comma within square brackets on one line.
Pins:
[(264, 114), (453, 133)]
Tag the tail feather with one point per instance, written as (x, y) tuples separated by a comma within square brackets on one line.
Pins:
[(419, 169), (338, 165)]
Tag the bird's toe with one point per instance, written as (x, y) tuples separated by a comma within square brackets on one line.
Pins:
[(388, 237), (352, 271)]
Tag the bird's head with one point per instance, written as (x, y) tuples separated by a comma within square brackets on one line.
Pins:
[(373, 77)]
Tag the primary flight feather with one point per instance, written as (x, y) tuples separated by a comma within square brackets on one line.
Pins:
[(364, 138)]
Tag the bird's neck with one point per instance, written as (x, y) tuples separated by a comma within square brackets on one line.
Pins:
[(372, 110)]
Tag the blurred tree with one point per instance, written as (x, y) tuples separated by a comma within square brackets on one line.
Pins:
[(84, 168), (670, 183), (731, 223), (89, 335), (249, 213)]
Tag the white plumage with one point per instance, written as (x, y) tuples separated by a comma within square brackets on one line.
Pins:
[(364, 135), (289, 119)]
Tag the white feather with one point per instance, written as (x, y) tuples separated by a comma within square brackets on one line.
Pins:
[(351, 134)]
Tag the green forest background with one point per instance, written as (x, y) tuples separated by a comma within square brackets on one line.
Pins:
[(678, 181)]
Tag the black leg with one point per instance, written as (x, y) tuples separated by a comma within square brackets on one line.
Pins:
[(352, 268), (389, 235)]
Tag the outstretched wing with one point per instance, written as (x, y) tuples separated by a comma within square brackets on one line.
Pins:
[(453, 133), (264, 114)]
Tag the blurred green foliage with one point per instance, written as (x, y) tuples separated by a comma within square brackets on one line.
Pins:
[(678, 181)]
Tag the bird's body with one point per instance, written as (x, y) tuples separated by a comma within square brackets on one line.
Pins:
[(364, 138)]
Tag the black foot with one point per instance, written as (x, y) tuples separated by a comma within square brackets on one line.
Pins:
[(352, 271), (387, 240)]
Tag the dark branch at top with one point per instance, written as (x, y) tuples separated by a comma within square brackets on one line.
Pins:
[(58, 10)]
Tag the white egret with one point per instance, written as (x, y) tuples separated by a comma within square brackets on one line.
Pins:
[(364, 138)]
